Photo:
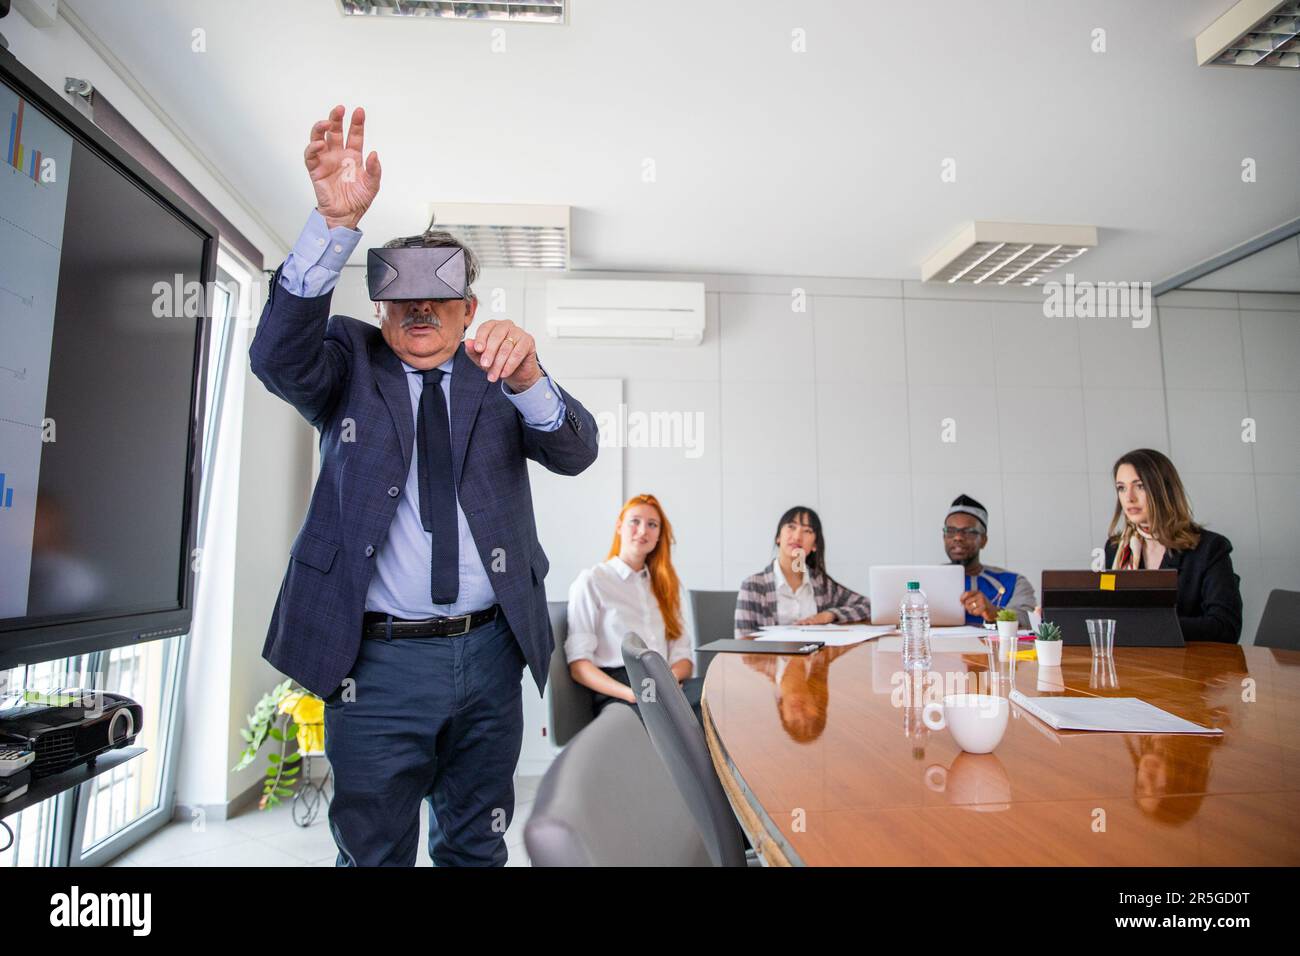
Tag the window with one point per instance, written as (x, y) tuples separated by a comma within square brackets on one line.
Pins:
[(88, 825)]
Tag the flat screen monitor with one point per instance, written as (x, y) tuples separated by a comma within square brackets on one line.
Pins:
[(102, 361)]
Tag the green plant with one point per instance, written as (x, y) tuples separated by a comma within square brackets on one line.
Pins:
[(1006, 614), (1047, 631), (265, 721)]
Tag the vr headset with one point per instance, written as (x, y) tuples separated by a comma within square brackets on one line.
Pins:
[(415, 272)]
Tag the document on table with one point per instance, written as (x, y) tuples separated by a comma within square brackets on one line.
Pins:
[(1123, 715), (868, 628), (962, 630), (831, 635)]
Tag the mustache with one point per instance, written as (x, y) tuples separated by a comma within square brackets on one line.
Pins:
[(417, 318)]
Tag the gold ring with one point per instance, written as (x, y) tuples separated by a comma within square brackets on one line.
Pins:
[(510, 340)]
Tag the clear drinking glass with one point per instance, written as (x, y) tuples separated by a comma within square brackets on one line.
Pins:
[(1001, 670), (1101, 635)]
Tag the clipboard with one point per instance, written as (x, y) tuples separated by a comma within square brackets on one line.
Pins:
[(733, 646)]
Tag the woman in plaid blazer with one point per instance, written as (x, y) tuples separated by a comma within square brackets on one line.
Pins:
[(795, 588)]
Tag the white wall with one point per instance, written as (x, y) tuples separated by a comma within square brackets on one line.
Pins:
[(1229, 357)]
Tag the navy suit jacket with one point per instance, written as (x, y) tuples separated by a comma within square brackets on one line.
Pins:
[(340, 374)]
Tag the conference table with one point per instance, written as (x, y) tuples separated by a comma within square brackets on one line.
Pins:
[(827, 761)]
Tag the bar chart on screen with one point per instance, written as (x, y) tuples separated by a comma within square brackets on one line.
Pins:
[(33, 202)]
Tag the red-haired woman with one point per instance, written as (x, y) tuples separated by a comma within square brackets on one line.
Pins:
[(634, 589)]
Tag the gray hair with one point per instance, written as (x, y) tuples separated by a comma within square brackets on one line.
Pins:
[(440, 237)]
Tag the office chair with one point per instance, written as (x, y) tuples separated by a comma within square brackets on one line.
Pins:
[(677, 736), (1280, 625), (568, 703), (715, 618), (608, 801)]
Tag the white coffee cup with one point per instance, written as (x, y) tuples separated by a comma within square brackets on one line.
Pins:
[(976, 721)]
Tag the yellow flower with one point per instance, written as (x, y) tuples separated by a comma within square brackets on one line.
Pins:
[(308, 712)]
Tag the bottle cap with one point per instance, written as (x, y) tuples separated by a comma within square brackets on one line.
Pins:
[(914, 585)]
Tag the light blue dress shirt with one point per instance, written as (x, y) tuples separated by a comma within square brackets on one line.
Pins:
[(401, 585)]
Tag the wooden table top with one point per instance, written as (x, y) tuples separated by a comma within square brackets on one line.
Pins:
[(827, 766)]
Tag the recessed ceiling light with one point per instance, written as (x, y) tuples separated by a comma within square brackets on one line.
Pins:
[(997, 253), (508, 236), (533, 11), (1253, 33)]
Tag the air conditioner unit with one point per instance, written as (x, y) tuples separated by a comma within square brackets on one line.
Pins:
[(629, 311)]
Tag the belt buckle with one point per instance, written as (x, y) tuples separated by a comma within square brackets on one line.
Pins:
[(466, 630)]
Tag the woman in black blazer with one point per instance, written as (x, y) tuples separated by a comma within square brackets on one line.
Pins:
[(1153, 528)]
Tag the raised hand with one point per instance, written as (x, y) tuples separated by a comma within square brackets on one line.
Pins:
[(507, 352), (345, 184)]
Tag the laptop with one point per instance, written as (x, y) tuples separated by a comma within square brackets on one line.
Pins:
[(943, 585)]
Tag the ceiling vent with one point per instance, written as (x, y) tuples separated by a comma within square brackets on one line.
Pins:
[(514, 11), (999, 253), (505, 236), (1253, 33)]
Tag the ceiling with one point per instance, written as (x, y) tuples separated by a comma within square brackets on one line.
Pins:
[(1275, 268), (767, 161)]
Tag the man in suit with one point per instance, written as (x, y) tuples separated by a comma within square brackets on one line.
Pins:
[(415, 590)]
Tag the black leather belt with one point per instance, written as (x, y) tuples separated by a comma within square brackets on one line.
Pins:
[(378, 624)]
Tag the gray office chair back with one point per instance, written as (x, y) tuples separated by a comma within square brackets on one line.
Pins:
[(715, 619), (608, 801), (677, 736), (569, 704), (1280, 625)]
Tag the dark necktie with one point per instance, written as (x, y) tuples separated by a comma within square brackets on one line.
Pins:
[(438, 489)]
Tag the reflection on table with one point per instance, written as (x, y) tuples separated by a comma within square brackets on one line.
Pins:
[(828, 762)]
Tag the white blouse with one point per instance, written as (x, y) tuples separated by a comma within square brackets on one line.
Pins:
[(791, 605), (607, 601)]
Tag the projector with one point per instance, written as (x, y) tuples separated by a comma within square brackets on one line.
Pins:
[(69, 727)]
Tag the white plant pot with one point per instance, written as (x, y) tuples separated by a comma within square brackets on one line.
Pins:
[(1007, 643), (1049, 653)]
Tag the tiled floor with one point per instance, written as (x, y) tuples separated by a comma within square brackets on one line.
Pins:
[(271, 838)]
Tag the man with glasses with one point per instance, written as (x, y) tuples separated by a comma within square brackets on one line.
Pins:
[(988, 589)]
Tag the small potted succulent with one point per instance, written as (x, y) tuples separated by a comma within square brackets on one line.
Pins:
[(1047, 644), (1008, 625)]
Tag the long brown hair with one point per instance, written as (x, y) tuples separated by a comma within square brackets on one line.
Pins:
[(663, 577), (1167, 504)]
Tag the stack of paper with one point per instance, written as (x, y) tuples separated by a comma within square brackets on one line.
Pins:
[(1123, 715), (832, 635)]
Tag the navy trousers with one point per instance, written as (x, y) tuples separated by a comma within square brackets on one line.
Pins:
[(437, 719)]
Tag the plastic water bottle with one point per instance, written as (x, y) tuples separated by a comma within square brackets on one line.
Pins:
[(914, 622)]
